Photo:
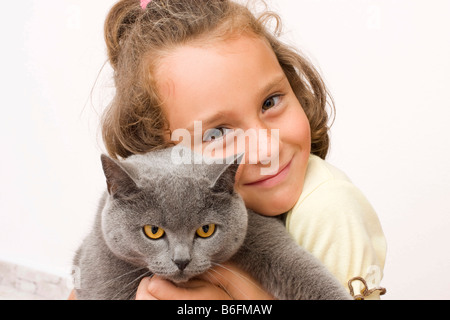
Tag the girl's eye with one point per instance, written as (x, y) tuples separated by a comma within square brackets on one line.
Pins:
[(206, 231), (215, 134), (153, 232), (271, 102)]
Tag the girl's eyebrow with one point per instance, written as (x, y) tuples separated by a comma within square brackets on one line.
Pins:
[(206, 123), (265, 90)]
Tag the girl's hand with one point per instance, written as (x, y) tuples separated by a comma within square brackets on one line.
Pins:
[(155, 288), (222, 282)]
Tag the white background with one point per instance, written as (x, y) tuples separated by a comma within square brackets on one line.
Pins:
[(386, 63)]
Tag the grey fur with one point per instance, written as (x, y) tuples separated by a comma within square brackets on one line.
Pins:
[(151, 189)]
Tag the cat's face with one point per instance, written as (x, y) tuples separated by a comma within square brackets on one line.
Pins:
[(178, 220)]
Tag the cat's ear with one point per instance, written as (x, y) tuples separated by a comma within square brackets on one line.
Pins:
[(119, 183), (224, 182)]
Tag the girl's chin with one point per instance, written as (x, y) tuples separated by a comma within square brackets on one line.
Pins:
[(276, 207)]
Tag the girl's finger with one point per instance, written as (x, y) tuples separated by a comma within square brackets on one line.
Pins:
[(142, 291), (165, 290), (192, 290)]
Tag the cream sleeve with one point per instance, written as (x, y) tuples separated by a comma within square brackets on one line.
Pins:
[(337, 224)]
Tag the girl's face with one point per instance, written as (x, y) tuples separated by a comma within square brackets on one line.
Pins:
[(239, 84)]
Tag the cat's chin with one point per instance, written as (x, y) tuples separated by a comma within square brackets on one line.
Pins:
[(179, 277)]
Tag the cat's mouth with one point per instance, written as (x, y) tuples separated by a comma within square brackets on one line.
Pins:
[(179, 276)]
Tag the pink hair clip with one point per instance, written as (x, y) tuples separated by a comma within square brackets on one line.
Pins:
[(144, 3)]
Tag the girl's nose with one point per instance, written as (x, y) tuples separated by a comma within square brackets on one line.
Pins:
[(262, 145), (268, 147)]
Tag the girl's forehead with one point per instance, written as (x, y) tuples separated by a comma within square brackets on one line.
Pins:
[(195, 80)]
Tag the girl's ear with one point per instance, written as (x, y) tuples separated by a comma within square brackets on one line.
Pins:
[(226, 178), (119, 183)]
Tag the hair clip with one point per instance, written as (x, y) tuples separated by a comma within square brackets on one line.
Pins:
[(144, 3)]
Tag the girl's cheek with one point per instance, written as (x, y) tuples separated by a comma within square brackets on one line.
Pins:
[(295, 127), (238, 175)]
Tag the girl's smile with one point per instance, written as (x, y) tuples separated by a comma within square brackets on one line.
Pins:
[(239, 84), (270, 181)]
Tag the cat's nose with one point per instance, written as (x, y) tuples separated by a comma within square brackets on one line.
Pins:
[(182, 263)]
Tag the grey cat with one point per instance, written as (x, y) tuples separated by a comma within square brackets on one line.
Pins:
[(178, 220)]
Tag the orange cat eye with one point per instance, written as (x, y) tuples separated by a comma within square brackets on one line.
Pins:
[(153, 232), (206, 231)]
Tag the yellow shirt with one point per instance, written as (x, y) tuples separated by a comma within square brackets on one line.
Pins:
[(334, 221)]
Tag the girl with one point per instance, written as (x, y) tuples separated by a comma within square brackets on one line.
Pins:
[(180, 61)]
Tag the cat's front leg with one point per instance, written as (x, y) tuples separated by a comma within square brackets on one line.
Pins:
[(282, 267)]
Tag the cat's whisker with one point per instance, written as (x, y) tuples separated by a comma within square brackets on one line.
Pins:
[(209, 274), (122, 275), (133, 293), (234, 285), (130, 283), (237, 274)]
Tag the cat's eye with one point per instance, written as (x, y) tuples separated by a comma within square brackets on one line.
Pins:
[(206, 231), (153, 232)]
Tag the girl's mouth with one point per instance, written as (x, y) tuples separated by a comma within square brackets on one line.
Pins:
[(272, 180)]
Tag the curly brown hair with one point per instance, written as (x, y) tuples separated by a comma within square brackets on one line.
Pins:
[(138, 38)]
